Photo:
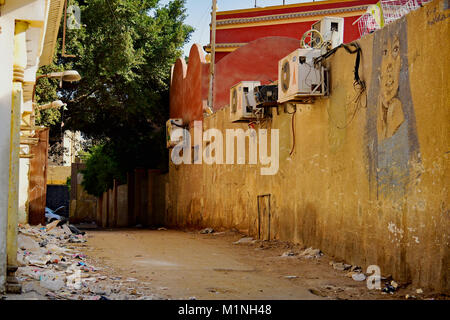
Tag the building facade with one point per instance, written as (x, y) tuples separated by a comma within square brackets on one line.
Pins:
[(236, 28), (28, 33)]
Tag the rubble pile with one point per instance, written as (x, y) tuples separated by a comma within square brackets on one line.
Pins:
[(311, 253), (51, 264)]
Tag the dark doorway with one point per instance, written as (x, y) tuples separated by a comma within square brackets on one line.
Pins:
[(58, 196)]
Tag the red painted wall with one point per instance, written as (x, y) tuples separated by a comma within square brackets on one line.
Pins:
[(300, 8), (189, 86), (292, 30), (257, 61)]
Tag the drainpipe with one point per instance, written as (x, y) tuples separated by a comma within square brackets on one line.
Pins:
[(20, 63)]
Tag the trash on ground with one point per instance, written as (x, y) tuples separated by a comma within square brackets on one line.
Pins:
[(358, 276), (244, 240), (340, 266), (311, 253), (288, 254), (390, 287), (207, 231)]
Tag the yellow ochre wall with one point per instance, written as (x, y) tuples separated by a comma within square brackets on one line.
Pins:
[(57, 175), (357, 193)]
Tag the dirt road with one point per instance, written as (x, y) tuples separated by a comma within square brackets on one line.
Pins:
[(184, 265)]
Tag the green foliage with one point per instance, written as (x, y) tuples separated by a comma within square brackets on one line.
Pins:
[(69, 183), (124, 53), (101, 170)]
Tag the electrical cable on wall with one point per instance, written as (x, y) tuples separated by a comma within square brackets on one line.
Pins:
[(348, 47), (358, 84), (293, 129)]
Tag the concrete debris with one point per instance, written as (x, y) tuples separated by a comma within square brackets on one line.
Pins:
[(51, 266), (245, 240), (419, 291), (311, 253), (207, 231), (52, 225)]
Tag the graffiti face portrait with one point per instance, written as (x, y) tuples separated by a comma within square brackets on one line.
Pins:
[(390, 69), (391, 115), (391, 126)]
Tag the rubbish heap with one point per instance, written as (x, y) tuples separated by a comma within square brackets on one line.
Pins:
[(51, 264)]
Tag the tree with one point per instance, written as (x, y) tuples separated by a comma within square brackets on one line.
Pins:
[(124, 53)]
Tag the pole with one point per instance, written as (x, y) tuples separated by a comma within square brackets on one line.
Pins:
[(213, 53)]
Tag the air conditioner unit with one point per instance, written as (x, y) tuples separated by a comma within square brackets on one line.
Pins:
[(171, 126), (331, 29), (242, 101), (299, 77)]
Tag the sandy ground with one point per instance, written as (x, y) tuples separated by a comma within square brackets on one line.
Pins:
[(189, 265), (133, 264)]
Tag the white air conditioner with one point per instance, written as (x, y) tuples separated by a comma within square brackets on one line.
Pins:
[(171, 126), (242, 101), (299, 77), (331, 29)]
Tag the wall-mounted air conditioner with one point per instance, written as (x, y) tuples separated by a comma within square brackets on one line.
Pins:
[(171, 126), (331, 29), (242, 101), (299, 77)]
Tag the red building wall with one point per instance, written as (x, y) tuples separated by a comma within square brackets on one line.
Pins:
[(267, 42), (189, 86), (292, 8), (245, 25), (257, 61)]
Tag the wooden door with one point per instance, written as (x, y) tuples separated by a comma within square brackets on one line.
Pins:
[(37, 190)]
